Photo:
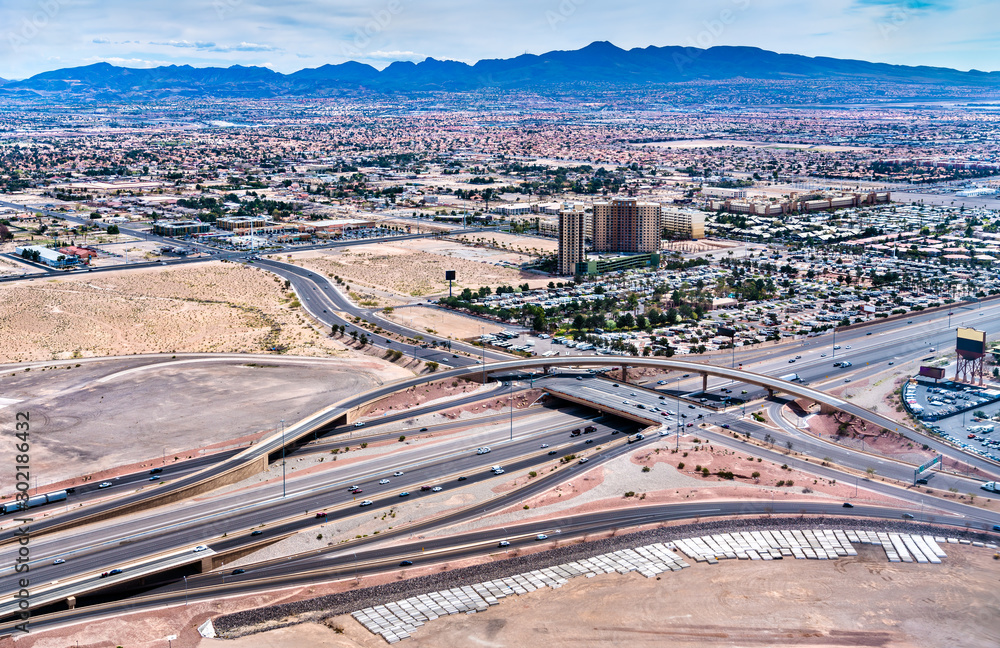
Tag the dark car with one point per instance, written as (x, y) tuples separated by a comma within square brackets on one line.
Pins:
[(114, 572), (589, 441), (848, 505), (156, 471), (237, 572), (552, 452), (154, 478), (922, 480), (423, 429), (321, 514), (462, 478), (996, 527), (725, 426), (425, 488), (256, 533), (690, 406), (406, 563)]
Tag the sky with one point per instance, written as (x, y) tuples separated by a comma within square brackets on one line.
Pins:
[(42, 35)]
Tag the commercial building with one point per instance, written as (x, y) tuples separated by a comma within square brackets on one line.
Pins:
[(48, 256), (684, 222), (723, 192), (334, 226), (604, 265), (572, 243), (179, 228), (259, 224), (626, 225)]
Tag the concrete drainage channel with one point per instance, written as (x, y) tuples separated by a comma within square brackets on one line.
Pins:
[(399, 619)]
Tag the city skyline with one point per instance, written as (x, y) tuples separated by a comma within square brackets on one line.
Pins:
[(53, 34)]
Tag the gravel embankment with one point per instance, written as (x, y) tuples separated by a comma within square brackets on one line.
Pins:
[(271, 617)]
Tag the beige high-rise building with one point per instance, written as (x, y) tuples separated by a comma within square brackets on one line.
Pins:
[(684, 221), (626, 225), (572, 240)]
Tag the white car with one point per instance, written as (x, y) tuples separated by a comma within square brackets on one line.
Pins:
[(383, 481), (366, 503), (398, 473), (200, 548), (58, 561), (503, 543), (545, 445), (664, 433), (541, 536), (359, 424), (482, 451), (436, 489), (584, 460), (104, 485)]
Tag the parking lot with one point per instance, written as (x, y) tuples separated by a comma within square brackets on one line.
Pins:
[(955, 412)]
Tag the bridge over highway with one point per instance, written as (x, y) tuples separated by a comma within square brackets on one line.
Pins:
[(255, 459)]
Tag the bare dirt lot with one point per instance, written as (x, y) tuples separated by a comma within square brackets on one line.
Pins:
[(416, 268), (443, 322), (86, 418), (215, 307)]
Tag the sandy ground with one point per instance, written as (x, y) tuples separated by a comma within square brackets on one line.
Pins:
[(412, 268), (214, 307), (441, 322), (85, 421), (530, 245), (859, 601)]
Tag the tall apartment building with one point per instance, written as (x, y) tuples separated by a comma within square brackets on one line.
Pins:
[(626, 225), (685, 222), (572, 236)]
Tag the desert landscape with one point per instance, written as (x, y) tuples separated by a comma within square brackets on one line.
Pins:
[(213, 307)]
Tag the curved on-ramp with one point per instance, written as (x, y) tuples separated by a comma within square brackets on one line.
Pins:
[(254, 459)]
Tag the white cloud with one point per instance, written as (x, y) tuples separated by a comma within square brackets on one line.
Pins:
[(127, 62), (395, 55)]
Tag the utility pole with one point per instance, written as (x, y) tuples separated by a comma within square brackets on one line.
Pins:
[(282, 458), (511, 412)]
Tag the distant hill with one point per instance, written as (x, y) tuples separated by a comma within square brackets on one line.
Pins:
[(599, 65)]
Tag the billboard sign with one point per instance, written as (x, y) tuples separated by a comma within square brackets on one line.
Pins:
[(971, 341), (937, 373), (727, 332)]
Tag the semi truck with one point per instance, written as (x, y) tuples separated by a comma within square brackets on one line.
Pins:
[(993, 487), (33, 501)]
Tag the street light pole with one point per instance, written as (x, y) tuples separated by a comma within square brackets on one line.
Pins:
[(511, 410), (282, 458), (677, 395)]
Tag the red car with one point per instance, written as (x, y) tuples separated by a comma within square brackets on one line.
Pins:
[(321, 514)]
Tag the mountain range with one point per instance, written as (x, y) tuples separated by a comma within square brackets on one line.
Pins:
[(600, 65)]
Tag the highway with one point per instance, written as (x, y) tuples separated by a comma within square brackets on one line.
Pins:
[(328, 416), (605, 395), (340, 505), (228, 519), (433, 550)]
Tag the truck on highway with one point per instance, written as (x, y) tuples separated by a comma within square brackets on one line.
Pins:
[(792, 377), (993, 487), (33, 501)]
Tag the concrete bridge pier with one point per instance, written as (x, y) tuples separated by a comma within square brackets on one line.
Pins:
[(704, 383), (625, 374)]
